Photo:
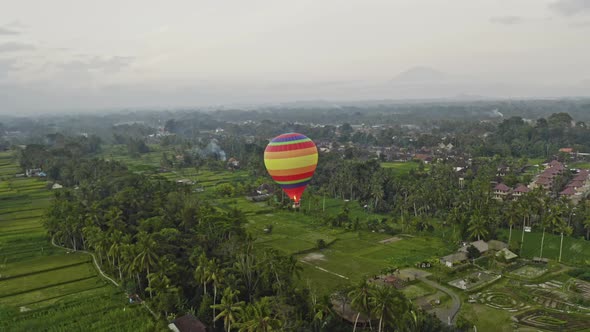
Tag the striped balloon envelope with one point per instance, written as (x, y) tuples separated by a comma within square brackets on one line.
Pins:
[(291, 160)]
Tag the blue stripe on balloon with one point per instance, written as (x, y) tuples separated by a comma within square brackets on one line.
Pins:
[(287, 139), (294, 185)]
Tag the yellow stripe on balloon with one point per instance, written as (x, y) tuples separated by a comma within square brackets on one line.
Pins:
[(287, 163), (291, 171)]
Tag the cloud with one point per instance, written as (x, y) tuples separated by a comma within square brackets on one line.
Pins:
[(570, 7), (109, 65), (4, 31), (15, 47), (509, 20), (585, 24), (6, 66)]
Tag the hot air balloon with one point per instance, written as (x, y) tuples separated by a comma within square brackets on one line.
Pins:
[(291, 159)]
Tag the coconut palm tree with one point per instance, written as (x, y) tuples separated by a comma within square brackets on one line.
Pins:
[(229, 308), (562, 227), (217, 279), (478, 226), (387, 302), (587, 227), (512, 218), (202, 272), (258, 317), (361, 300), (146, 254)]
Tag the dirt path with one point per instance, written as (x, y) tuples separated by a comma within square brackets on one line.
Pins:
[(324, 270), (450, 314), (104, 275)]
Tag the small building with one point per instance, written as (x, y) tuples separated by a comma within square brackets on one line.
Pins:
[(56, 186), (187, 323), (575, 184), (481, 245), (507, 254), (501, 191), (184, 181), (544, 183), (423, 157), (233, 163), (566, 150), (519, 191), (453, 259), (497, 245), (568, 192), (30, 172)]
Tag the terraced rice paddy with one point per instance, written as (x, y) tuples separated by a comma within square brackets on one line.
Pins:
[(46, 288)]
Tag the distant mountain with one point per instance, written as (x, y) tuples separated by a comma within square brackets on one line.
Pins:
[(421, 75)]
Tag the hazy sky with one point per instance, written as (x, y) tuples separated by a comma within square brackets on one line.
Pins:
[(121, 53)]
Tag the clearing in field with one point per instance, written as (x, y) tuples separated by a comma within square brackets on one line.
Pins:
[(529, 271), (474, 280)]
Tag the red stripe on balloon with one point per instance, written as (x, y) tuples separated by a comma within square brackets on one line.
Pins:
[(293, 177), (289, 147)]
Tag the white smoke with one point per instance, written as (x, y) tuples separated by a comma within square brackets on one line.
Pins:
[(496, 114), (213, 150)]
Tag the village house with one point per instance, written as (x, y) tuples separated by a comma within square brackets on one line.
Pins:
[(519, 191), (233, 163), (454, 259), (35, 172), (501, 191), (187, 323), (481, 245)]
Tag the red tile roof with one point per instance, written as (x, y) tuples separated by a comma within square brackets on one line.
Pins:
[(522, 189), (576, 184), (569, 191), (543, 181), (502, 187)]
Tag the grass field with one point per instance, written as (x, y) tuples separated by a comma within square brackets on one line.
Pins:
[(402, 168), (350, 255), (575, 251), (581, 165), (45, 288)]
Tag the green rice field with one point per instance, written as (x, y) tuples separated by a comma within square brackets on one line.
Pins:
[(43, 288)]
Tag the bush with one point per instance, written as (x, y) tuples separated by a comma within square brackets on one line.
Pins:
[(320, 244), (225, 190)]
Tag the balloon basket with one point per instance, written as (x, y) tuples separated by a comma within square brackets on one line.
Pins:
[(296, 205)]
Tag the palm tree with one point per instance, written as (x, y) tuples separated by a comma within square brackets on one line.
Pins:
[(512, 217), (360, 300), (228, 307), (322, 310), (202, 272), (562, 227), (376, 189), (551, 217), (216, 279), (524, 210), (587, 227), (258, 317), (478, 226), (146, 256), (115, 250), (387, 302)]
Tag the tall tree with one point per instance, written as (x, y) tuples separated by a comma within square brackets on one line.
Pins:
[(146, 254), (361, 300), (229, 308)]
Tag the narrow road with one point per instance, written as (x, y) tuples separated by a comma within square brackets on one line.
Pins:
[(445, 314)]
